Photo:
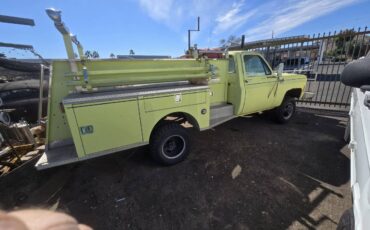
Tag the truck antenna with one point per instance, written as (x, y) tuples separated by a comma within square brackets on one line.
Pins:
[(189, 33)]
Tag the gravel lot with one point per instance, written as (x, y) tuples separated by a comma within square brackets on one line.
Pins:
[(293, 176)]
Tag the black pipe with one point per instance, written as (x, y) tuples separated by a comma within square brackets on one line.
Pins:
[(189, 40), (17, 20), (242, 43), (189, 31)]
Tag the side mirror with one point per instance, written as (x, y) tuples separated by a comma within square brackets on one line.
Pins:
[(280, 71), (55, 15), (357, 73)]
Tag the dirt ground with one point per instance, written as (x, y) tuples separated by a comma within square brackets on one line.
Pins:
[(293, 176)]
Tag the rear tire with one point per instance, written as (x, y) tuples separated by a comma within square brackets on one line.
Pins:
[(169, 144), (285, 111), (347, 220)]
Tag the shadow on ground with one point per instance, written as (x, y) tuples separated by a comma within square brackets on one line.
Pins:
[(293, 176)]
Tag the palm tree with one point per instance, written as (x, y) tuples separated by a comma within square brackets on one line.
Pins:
[(88, 54), (95, 54)]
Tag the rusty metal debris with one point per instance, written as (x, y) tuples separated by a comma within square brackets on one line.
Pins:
[(20, 143)]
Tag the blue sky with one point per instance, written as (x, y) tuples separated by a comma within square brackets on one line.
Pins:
[(160, 26)]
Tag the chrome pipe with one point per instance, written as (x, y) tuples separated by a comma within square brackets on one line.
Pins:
[(41, 92)]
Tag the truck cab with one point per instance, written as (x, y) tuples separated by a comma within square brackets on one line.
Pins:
[(248, 84)]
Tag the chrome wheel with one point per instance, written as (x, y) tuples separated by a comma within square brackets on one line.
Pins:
[(173, 146), (287, 111)]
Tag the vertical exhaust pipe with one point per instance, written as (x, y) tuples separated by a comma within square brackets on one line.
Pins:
[(189, 33), (242, 42)]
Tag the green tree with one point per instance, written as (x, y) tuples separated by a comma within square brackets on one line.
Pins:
[(92, 54), (95, 54), (347, 45)]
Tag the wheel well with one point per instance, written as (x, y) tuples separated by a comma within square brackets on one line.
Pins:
[(295, 93), (184, 119)]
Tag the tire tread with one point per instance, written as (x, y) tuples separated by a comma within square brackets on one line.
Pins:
[(162, 131)]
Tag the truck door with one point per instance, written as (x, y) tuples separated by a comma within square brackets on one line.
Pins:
[(235, 91), (260, 84)]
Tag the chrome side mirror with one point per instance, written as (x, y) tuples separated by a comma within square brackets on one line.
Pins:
[(280, 71), (55, 15)]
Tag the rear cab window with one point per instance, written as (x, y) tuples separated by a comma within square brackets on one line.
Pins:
[(232, 68)]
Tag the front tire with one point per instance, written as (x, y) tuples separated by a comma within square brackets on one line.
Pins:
[(347, 220), (285, 111), (169, 144)]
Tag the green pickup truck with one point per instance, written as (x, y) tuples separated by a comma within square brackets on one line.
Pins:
[(97, 107)]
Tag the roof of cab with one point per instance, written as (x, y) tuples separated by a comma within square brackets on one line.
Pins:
[(243, 51)]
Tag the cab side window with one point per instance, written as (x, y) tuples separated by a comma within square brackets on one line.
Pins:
[(255, 66), (232, 64)]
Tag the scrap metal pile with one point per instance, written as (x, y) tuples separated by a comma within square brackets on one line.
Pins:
[(19, 144), (22, 133)]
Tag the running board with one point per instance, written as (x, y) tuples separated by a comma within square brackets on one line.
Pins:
[(58, 156), (221, 114), (67, 154)]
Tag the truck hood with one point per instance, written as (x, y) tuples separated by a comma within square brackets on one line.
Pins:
[(294, 76)]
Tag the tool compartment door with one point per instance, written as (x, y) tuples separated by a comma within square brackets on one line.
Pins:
[(108, 126)]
